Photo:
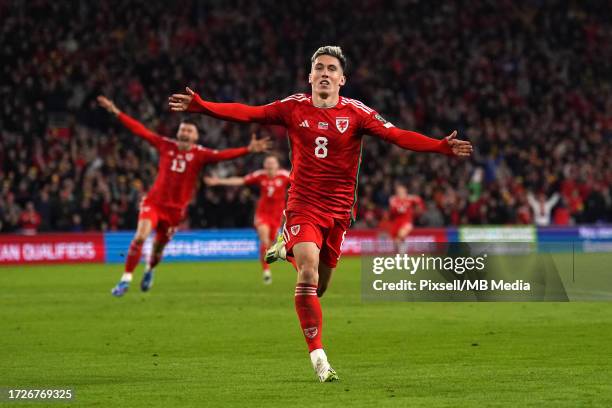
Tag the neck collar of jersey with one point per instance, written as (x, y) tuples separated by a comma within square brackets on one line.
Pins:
[(324, 107)]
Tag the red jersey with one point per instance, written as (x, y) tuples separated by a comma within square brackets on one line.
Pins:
[(325, 146), (272, 191), (178, 170), (401, 209), (29, 221)]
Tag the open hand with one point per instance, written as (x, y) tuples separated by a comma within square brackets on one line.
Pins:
[(462, 148), (259, 145), (180, 102), (107, 104)]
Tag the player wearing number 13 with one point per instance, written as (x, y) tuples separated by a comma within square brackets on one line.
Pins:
[(163, 208), (325, 132)]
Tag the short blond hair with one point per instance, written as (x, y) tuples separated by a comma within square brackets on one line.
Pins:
[(333, 51)]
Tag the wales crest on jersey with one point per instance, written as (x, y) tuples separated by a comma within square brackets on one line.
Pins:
[(342, 124)]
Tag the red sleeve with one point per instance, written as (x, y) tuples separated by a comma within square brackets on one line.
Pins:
[(392, 206), (237, 112), (375, 125), (285, 175), (140, 130), (251, 178), (213, 156)]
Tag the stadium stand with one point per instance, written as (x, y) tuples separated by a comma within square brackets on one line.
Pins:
[(529, 84)]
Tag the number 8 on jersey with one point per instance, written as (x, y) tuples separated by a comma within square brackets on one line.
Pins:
[(321, 149)]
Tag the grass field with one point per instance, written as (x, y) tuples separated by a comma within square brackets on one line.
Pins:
[(211, 334)]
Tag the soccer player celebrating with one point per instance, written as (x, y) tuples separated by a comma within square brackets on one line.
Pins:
[(402, 207), (325, 131), (272, 182), (164, 206)]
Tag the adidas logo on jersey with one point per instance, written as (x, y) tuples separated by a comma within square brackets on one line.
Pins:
[(304, 124)]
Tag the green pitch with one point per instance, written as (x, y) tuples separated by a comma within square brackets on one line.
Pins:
[(211, 334)]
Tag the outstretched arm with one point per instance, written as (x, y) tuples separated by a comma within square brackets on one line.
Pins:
[(552, 201), (449, 146), (532, 201), (375, 125), (235, 112), (132, 124), (420, 143), (230, 181), (255, 146)]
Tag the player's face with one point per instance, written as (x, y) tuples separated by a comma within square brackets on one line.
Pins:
[(187, 133), (326, 75), (401, 191), (271, 165)]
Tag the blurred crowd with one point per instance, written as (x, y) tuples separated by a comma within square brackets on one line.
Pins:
[(529, 83)]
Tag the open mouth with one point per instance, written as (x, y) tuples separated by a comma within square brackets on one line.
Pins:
[(324, 82)]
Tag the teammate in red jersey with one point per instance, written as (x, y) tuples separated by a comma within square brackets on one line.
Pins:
[(402, 208), (325, 131), (164, 206), (272, 182)]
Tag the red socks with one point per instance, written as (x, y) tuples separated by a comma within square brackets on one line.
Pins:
[(133, 256), (309, 312), (154, 259), (156, 255)]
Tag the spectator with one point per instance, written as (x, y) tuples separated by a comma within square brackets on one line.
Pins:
[(542, 207), (561, 214), (29, 220), (432, 216), (528, 83)]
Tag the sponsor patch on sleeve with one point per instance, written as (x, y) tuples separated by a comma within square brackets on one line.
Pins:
[(382, 120)]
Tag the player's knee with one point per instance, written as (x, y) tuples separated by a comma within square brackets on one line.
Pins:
[(307, 272), (139, 239)]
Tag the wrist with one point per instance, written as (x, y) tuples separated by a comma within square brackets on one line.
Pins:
[(195, 105), (445, 148)]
